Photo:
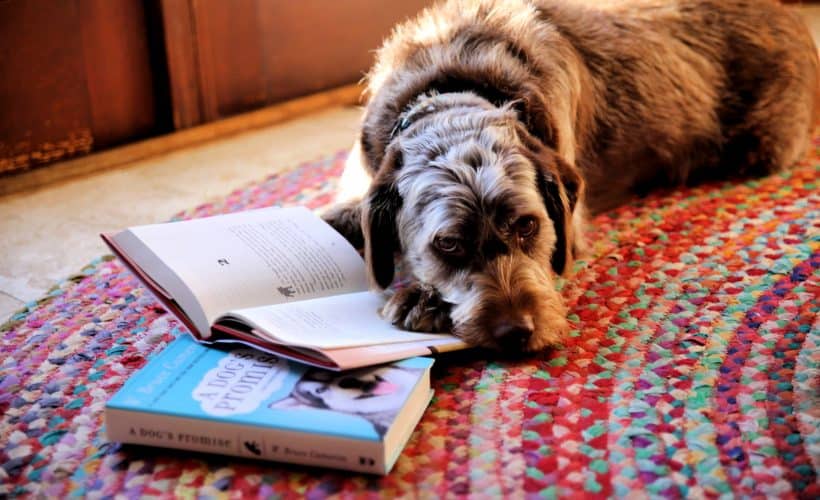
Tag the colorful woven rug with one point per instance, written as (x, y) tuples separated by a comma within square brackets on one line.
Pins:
[(693, 369)]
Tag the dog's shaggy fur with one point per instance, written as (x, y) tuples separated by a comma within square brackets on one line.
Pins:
[(492, 127)]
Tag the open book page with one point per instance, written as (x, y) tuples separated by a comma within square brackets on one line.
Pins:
[(158, 278), (249, 259), (355, 357), (345, 358), (340, 321)]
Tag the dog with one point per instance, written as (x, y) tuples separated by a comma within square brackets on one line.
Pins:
[(492, 128), (373, 394)]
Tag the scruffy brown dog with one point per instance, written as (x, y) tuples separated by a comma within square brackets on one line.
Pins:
[(492, 126)]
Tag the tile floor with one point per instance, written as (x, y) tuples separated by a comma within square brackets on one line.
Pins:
[(50, 233)]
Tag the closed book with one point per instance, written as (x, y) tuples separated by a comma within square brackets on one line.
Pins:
[(249, 403)]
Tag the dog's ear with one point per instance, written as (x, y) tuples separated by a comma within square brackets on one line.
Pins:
[(379, 212), (559, 207), (532, 113), (561, 187)]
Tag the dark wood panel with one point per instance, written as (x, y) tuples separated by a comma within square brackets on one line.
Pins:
[(182, 56), (312, 45), (232, 63), (75, 75), (44, 111), (118, 70), (226, 57)]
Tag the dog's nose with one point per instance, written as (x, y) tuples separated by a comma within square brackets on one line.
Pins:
[(513, 336)]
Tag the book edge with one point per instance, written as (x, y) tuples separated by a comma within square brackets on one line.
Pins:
[(227, 438)]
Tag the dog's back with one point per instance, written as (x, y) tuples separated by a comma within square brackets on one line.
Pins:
[(693, 90)]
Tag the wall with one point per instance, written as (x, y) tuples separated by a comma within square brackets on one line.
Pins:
[(78, 76)]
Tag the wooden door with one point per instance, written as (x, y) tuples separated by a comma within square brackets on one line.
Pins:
[(76, 76), (228, 57)]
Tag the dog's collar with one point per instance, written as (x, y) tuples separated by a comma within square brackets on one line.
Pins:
[(421, 108)]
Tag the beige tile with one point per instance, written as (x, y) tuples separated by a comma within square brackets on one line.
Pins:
[(8, 306), (155, 189), (25, 288), (48, 234), (220, 167), (43, 251), (111, 199)]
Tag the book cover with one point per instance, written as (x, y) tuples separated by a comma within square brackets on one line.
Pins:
[(250, 403)]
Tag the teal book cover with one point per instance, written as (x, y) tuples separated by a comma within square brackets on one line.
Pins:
[(253, 404)]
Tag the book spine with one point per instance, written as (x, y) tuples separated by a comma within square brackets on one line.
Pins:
[(231, 438)]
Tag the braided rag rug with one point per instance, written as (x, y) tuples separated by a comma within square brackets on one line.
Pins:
[(693, 369)]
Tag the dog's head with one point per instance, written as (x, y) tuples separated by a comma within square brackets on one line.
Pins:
[(482, 211)]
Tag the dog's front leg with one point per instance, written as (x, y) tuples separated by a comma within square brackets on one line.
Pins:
[(346, 214), (418, 308), (346, 219)]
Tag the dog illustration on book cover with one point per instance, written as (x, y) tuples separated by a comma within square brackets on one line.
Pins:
[(376, 395)]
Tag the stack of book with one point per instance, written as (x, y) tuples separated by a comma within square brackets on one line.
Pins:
[(288, 357)]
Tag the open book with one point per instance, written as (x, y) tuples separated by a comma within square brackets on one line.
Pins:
[(280, 279)]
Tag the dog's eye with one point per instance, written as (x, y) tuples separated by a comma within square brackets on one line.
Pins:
[(448, 244), (526, 227)]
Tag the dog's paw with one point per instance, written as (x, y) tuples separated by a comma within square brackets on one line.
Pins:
[(552, 335), (418, 308)]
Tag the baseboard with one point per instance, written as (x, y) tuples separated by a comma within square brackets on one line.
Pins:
[(60, 171)]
